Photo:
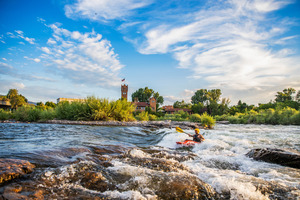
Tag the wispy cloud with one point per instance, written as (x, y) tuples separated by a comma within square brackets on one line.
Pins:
[(236, 44), (83, 57), (37, 60), (2, 39), (185, 96), (10, 71), (230, 45), (104, 10), (20, 34)]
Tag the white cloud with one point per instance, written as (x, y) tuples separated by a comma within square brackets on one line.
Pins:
[(185, 95), (7, 84), (2, 39), (20, 34), (105, 9), (83, 57), (5, 68), (4, 59), (229, 45), (46, 49), (37, 60), (51, 41)]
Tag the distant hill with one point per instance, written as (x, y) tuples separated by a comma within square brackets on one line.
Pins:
[(33, 103)]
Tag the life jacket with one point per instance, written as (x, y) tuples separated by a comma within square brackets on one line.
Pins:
[(196, 138)]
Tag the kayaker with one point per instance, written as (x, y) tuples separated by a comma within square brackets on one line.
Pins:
[(197, 137)]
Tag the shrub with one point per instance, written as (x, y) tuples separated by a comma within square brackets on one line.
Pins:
[(63, 111), (142, 116), (221, 117), (195, 118), (286, 114), (152, 117), (207, 120), (27, 114), (47, 114), (122, 110), (183, 115), (5, 115), (295, 119)]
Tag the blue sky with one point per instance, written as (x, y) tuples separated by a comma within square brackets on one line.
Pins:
[(74, 49)]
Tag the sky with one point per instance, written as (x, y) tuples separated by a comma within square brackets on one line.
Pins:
[(250, 49)]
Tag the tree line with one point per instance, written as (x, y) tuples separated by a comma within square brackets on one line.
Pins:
[(284, 109)]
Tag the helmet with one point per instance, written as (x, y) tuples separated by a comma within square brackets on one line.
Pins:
[(197, 130)]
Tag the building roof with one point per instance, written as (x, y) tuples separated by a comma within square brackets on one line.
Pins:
[(141, 104)]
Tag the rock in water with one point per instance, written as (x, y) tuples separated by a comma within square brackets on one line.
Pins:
[(13, 168), (278, 156)]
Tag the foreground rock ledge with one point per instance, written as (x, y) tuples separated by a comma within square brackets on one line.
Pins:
[(13, 168), (151, 124), (277, 156)]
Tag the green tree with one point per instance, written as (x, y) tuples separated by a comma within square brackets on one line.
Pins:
[(214, 95), (144, 94), (181, 104), (16, 99), (198, 108), (204, 95), (12, 93), (212, 107), (41, 106), (224, 106), (200, 96), (285, 95), (298, 96), (50, 104)]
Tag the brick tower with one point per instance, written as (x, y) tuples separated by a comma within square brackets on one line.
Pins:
[(152, 101), (124, 91)]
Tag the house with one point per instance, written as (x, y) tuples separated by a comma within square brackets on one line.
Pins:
[(5, 104), (69, 100), (171, 110), (141, 106)]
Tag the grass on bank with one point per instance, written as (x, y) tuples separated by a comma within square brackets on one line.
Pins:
[(121, 110), (91, 109), (282, 116)]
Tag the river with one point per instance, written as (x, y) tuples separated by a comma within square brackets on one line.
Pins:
[(137, 163)]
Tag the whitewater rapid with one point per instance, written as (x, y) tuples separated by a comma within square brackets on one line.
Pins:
[(222, 161), (141, 163)]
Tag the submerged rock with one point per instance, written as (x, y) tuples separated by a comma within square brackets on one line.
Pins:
[(13, 168), (277, 156)]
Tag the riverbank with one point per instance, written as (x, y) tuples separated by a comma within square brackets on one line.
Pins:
[(149, 124)]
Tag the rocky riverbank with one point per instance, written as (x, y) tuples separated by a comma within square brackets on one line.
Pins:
[(143, 174)]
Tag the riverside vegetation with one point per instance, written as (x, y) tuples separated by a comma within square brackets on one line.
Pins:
[(206, 106)]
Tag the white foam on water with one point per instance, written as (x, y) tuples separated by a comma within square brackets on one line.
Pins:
[(227, 181), (170, 139), (131, 194), (222, 162), (136, 153)]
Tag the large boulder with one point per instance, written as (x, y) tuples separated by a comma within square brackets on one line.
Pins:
[(278, 156), (13, 168)]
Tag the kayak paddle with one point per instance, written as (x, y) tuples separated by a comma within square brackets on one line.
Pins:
[(180, 130)]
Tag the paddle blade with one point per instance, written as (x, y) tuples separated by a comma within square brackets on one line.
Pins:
[(179, 130)]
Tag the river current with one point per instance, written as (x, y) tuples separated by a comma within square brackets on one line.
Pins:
[(62, 153)]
